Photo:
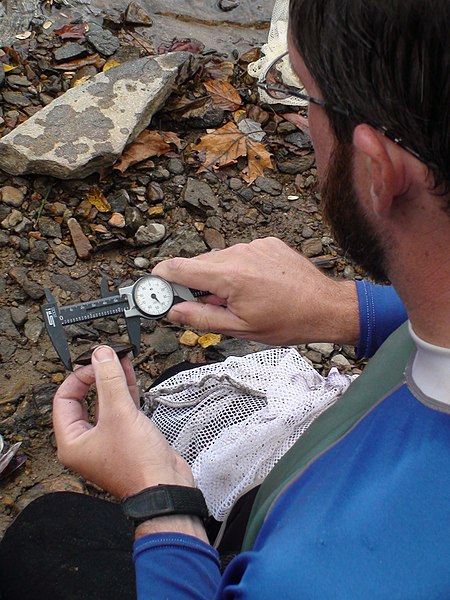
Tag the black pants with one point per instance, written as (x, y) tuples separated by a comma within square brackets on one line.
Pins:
[(67, 546)]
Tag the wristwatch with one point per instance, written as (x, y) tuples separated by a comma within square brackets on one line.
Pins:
[(152, 297), (163, 500)]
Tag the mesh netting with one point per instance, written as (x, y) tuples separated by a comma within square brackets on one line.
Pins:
[(232, 421), (275, 47)]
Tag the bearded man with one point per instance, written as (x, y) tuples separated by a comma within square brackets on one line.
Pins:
[(359, 507)]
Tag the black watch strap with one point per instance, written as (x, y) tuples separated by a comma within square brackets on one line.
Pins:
[(162, 500)]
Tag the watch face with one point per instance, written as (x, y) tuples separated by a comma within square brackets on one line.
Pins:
[(153, 296)]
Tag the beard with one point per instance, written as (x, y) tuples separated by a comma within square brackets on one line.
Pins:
[(349, 223)]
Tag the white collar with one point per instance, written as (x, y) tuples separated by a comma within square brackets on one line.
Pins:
[(431, 369)]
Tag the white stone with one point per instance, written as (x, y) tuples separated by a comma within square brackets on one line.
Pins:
[(325, 349), (87, 128)]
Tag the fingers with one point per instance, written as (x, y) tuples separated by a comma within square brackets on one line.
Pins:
[(203, 272), (131, 379), (70, 417), (110, 380), (207, 317)]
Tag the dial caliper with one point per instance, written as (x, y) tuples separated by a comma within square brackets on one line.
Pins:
[(150, 297)]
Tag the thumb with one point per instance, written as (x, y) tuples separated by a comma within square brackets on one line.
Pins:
[(110, 380)]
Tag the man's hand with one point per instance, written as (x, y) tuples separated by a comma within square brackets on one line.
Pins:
[(264, 291), (123, 452)]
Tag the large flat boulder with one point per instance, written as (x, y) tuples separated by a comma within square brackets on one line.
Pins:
[(87, 128)]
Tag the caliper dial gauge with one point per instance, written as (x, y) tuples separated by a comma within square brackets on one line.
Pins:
[(153, 296)]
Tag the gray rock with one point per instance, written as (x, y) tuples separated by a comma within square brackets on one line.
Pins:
[(16, 99), (210, 118), (102, 40), (340, 361), (299, 139), (109, 326), (7, 326), (150, 234), (312, 247), (19, 80), (163, 341), (160, 174), (141, 262), (199, 196), (349, 351), (314, 357), (247, 194), (24, 226), (13, 219), (4, 239), (31, 288), (324, 348), (66, 283), (233, 347), (269, 185), (235, 183), (214, 239), (119, 201), (133, 219), (18, 315), (136, 15), (175, 166), (185, 242), (66, 254), (69, 51), (49, 227), (307, 232), (7, 350), (43, 394), (155, 192), (296, 165), (12, 196), (39, 251), (87, 128)]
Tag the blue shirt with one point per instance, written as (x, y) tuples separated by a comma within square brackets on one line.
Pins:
[(370, 518)]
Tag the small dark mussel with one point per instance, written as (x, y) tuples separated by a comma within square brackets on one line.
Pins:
[(119, 348)]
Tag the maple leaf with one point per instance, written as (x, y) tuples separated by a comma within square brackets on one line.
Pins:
[(225, 145), (147, 144), (223, 94), (97, 199)]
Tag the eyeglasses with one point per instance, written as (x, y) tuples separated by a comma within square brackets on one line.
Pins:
[(272, 83)]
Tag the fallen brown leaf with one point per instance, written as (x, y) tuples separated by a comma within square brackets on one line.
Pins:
[(223, 94), (147, 144), (74, 31), (97, 199), (298, 120), (225, 145), (220, 70)]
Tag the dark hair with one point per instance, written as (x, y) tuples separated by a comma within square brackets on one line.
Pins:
[(387, 61)]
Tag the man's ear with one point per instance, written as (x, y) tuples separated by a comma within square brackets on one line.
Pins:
[(382, 170)]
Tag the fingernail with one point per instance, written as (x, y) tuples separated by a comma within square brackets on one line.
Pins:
[(103, 354)]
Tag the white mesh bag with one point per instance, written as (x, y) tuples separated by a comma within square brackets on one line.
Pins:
[(275, 47), (232, 421)]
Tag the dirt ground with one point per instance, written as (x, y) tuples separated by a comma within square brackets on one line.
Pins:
[(284, 202)]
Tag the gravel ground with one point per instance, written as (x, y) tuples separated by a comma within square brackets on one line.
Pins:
[(53, 235)]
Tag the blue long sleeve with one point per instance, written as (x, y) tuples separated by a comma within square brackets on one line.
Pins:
[(175, 567), (381, 312)]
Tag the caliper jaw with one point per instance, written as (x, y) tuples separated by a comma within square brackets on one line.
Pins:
[(55, 329)]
